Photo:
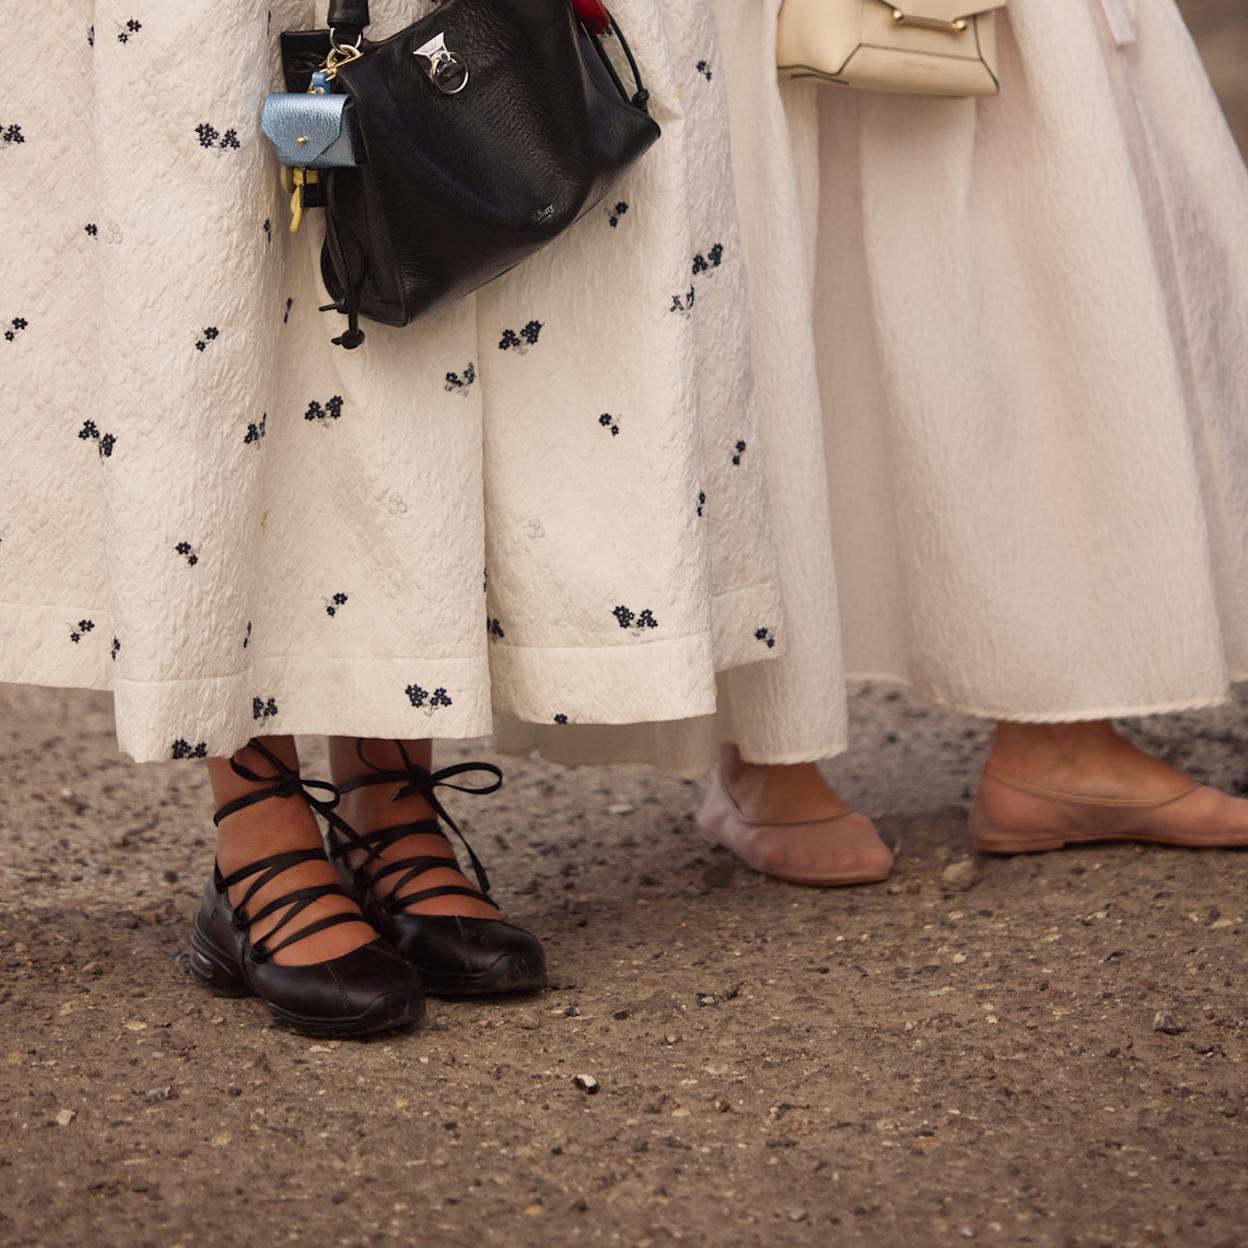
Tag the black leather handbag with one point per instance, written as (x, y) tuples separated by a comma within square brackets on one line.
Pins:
[(483, 132)]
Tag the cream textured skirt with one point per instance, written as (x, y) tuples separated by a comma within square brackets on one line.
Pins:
[(546, 501), (1020, 483)]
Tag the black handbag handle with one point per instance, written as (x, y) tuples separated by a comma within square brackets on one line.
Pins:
[(347, 19)]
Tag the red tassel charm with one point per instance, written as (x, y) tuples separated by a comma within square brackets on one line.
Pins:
[(593, 14)]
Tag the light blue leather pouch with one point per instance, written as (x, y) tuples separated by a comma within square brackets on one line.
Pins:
[(311, 131)]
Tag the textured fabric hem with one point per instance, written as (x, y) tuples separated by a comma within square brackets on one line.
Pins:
[(1202, 702), (747, 626), (653, 682), (404, 698)]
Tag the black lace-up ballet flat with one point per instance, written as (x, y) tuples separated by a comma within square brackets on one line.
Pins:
[(367, 990), (455, 955)]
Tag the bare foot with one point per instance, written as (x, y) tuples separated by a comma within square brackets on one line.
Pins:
[(279, 825), (788, 822), (1051, 785)]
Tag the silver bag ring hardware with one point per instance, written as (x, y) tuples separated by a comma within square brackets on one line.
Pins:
[(447, 70)]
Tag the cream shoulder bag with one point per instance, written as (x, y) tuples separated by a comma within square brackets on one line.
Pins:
[(919, 47)]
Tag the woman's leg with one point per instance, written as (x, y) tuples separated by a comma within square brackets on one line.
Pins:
[(787, 821), (403, 867), (1047, 786), (260, 830), (372, 807), (276, 921)]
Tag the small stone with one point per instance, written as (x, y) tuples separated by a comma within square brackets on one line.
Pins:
[(707, 1000), (64, 1117), (967, 1232), (171, 877), (1219, 924), (671, 1038), (797, 1215), (533, 1210), (1166, 1023), (621, 808), (136, 1024), (587, 1084), (153, 1096), (722, 1105), (621, 1015), (960, 875)]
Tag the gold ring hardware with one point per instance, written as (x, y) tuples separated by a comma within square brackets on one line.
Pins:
[(930, 23)]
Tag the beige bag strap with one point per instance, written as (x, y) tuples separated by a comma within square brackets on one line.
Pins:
[(1120, 22)]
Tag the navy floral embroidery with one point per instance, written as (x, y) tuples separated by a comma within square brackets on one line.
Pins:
[(116, 648), (701, 502), (616, 214), (187, 551), (132, 28), (460, 384), (633, 621), (684, 303), (561, 719), (184, 749), (331, 411), (428, 701), (607, 421), (93, 230), (263, 708), (211, 334), (740, 451), (247, 636), (104, 442), (704, 68), (83, 628), (91, 37), (767, 636), (332, 604), (495, 629), (211, 138), (522, 341), (267, 227), (255, 432), (712, 260), (12, 133), (290, 303), (16, 325)]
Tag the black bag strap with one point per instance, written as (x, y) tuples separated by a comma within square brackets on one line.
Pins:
[(348, 19)]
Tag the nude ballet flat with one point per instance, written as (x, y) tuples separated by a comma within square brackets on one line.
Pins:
[(1013, 817), (820, 853)]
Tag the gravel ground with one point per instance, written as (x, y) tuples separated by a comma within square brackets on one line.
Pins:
[(1054, 1056), (1051, 1056)]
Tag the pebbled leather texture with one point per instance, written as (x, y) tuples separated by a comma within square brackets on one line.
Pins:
[(370, 989), (322, 122), (456, 190), (348, 17)]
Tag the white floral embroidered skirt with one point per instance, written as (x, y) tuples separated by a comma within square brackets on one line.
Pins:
[(545, 501), (1027, 451)]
